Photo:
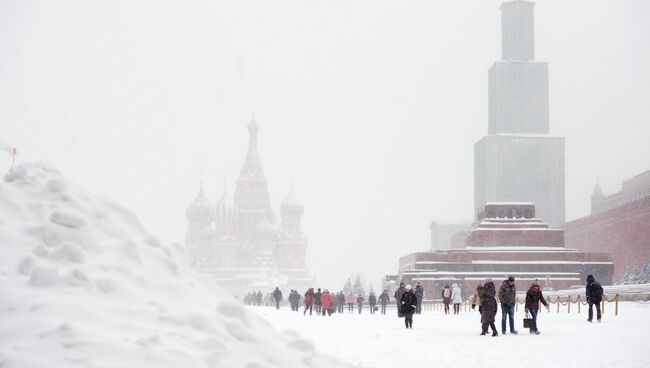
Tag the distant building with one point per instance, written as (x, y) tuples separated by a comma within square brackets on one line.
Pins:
[(239, 240), (508, 241), (619, 223), (518, 160), (441, 232)]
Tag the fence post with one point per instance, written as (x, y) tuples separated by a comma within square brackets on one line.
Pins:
[(603, 302), (568, 305), (558, 304), (616, 305), (579, 303)]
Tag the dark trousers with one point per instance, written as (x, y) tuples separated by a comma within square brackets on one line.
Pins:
[(533, 315), (327, 311), (318, 309), (456, 308), (591, 311), (277, 304), (372, 309), (341, 306), (360, 307), (418, 308), (507, 311), (350, 307), (408, 320), (446, 308), (485, 326), (383, 309), (308, 306)]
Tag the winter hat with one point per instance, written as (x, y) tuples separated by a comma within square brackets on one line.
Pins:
[(511, 278), (488, 280), (536, 283), (408, 287)]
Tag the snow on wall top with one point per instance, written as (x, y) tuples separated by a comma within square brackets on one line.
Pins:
[(83, 284)]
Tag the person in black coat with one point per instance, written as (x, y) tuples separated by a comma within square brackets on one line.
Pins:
[(508, 296), (317, 302), (341, 300), (277, 296), (408, 303), (594, 294), (398, 297), (419, 293), (372, 301), (488, 307)]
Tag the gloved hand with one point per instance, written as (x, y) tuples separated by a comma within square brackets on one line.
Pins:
[(473, 305)]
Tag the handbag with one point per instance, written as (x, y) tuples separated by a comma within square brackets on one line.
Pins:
[(528, 322)]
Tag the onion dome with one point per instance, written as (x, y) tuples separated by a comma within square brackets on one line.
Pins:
[(200, 209), (225, 210), (291, 201)]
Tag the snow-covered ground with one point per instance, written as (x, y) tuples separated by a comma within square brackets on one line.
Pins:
[(438, 340), (82, 284)]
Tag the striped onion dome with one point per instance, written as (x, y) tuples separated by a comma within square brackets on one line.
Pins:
[(200, 209), (225, 209)]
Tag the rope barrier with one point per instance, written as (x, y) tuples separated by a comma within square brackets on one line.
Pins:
[(439, 306)]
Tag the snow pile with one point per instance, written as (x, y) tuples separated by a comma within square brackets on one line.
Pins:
[(83, 284)]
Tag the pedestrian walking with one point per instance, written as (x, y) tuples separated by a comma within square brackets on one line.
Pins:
[(309, 301), (351, 299), (419, 294), (372, 302), (398, 297), (326, 302), (594, 294), (534, 296), (383, 300), (408, 303), (456, 297), (341, 298), (476, 300), (277, 296), (489, 307), (360, 302), (507, 296), (446, 297), (317, 302)]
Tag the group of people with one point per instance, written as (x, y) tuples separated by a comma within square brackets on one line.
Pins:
[(409, 302), (322, 302), (487, 302), (452, 295)]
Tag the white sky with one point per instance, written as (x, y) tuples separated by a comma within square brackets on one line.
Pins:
[(372, 106)]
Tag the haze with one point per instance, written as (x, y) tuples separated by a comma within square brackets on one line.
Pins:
[(371, 108)]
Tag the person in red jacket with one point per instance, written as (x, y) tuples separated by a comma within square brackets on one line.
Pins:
[(326, 302), (309, 301), (351, 299), (534, 296)]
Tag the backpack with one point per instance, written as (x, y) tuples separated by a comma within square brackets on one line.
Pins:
[(596, 291), (447, 293)]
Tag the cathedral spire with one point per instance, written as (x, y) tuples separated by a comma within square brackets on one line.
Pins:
[(251, 194), (252, 168)]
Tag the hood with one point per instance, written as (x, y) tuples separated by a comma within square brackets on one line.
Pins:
[(590, 279)]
